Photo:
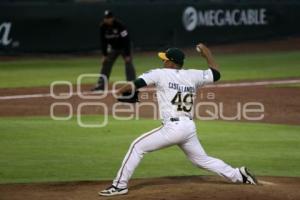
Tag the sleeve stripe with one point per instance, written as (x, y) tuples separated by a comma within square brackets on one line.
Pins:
[(216, 74)]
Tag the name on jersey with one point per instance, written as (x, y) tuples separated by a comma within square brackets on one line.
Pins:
[(181, 88)]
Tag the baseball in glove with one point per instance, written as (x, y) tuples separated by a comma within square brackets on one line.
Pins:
[(128, 97)]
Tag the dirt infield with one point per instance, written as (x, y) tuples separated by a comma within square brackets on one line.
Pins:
[(281, 104), (169, 188)]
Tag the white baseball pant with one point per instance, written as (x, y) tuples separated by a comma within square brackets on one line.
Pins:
[(181, 133)]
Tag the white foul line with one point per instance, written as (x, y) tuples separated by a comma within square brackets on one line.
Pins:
[(266, 182), (26, 96), (257, 83), (221, 85)]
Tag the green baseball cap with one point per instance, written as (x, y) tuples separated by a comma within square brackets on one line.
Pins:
[(173, 54)]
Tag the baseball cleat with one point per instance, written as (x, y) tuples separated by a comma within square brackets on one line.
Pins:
[(248, 178), (98, 88), (113, 191)]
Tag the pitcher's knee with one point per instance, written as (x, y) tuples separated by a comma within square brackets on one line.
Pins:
[(141, 148), (138, 149)]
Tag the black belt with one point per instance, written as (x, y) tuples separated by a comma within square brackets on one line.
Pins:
[(176, 119)]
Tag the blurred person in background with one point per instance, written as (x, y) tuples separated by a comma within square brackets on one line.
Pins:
[(115, 41)]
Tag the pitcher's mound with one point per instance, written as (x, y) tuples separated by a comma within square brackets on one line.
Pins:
[(168, 188)]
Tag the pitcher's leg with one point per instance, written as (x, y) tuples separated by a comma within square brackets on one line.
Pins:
[(195, 152), (148, 142)]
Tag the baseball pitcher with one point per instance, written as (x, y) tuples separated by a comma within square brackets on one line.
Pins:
[(176, 92)]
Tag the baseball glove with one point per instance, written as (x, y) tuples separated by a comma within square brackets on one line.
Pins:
[(128, 97)]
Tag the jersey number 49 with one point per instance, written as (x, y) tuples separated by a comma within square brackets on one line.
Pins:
[(184, 102)]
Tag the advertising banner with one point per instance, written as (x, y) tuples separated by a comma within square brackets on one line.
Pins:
[(74, 27)]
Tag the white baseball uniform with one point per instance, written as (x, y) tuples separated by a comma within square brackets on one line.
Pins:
[(176, 91)]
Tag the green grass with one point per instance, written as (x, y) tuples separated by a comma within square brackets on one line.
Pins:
[(33, 152), (41, 72)]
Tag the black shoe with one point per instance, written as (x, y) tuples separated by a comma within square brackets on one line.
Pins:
[(113, 191), (248, 178), (98, 88)]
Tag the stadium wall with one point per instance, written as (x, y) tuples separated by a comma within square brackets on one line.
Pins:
[(74, 27)]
